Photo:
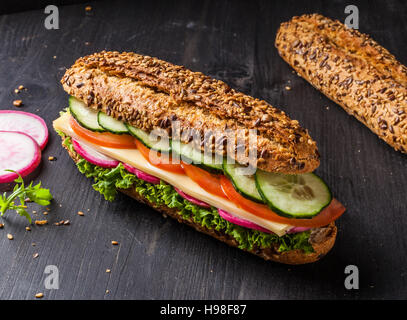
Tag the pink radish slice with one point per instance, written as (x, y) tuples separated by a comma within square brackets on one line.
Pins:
[(241, 222), (18, 152), (93, 156), (31, 124), (298, 229), (141, 175), (192, 199)]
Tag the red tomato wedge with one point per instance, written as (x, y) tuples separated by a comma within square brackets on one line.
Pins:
[(163, 163), (204, 179), (105, 139), (332, 212)]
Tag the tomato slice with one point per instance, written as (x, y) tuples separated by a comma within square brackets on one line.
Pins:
[(206, 180), (332, 212), (105, 139), (164, 162)]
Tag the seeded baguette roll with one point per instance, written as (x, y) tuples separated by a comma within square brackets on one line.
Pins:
[(149, 93), (352, 70), (322, 239)]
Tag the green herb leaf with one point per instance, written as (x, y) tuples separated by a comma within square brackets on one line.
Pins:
[(35, 193)]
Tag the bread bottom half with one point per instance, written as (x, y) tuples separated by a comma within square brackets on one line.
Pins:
[(321, 239)]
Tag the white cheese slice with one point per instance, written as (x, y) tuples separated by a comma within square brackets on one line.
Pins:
[(134, 158)]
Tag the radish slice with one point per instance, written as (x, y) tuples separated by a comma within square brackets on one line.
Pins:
[(93, 156), (192, 199), (241, 222), (141, 175), (18, 152), (31, 124), (298, 229)]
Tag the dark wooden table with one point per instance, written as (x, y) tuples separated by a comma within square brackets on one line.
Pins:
[(158, 257)]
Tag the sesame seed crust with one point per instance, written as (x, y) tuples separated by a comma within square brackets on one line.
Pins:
[(352, 70), (149, 93)]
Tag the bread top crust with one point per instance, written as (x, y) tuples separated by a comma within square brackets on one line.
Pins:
[(149, 93), (352, 70), (355, 43)]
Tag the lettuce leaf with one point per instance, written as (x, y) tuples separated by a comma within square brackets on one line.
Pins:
[(106, 181)]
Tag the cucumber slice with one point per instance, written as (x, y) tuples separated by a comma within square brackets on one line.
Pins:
[(162, 145), (111, 124), (294, 196), (86, 117), (244, 184), (197, 157)]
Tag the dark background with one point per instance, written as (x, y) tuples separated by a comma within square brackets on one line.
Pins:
[(160, 258)]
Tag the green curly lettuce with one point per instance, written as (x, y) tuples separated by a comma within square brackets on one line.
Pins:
[(106, 181)]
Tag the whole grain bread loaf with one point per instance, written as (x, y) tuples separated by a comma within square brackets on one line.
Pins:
[(150, 93), (352, 70), (322, 239)]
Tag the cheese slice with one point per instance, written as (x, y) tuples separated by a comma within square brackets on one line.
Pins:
[(134, 158)]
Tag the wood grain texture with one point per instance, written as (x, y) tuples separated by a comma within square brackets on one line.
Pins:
[(157, 257)]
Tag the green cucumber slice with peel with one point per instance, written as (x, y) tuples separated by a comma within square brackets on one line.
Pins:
[(111, 124), (85, 116), (300, 196), (244, 184), (196, 157), (160, 144)]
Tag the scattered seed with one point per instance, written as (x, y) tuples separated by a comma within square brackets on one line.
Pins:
[(33, 244), (41, 222), (108, 270), (51, 158), (81, 213), (16, 91), (35, 255), (288, 88), (27, 228), (39, 295), (17, 103), (1, 225), (88, 8), (107, 291), (67, 222), (21, 87), (10, 236), (115, 243), (45, 213)]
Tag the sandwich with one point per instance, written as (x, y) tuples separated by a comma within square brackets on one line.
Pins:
[(352, 70), (227, 164)]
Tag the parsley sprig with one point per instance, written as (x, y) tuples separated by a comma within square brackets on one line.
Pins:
[(35, 194)]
